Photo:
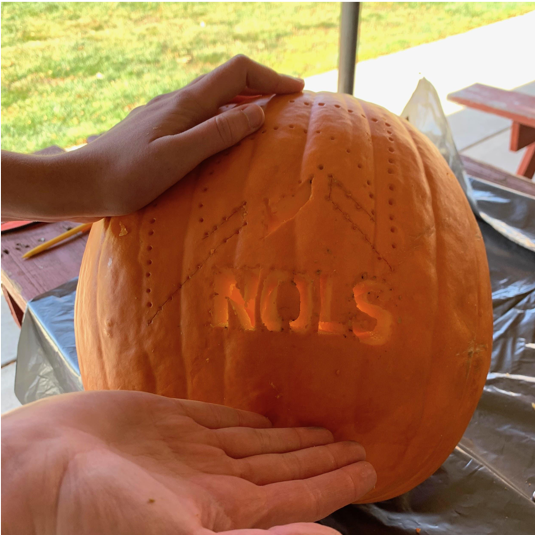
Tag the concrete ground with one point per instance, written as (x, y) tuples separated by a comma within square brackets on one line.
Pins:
[(495, 55), (10, 338)]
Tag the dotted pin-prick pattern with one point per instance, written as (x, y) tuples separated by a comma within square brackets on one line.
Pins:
[(391, 187), (334, 183), (148, 273), (392, 172), (228, 236), (224, 219)]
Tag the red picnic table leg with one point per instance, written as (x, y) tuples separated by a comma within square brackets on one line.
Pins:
[(16, 311), (524, 136), (527, 165)]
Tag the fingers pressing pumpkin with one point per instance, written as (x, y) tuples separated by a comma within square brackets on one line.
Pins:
[(241, 75), (214, 135)]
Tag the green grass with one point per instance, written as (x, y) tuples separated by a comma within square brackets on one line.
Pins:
[(70, 70)]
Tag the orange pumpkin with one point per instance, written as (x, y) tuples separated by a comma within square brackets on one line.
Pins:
[(325, 271)]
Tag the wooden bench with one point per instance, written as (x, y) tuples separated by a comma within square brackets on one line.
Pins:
[(518, 107), (23, 280), (489, 173)]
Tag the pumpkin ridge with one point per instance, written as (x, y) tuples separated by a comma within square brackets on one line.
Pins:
[(416, 479), (181, 283), (227, 381), (150, 375), (270, 224), (98, 305), (307, 142), (197, 269), (478, 347), (474, 347), (364, 107), (428, 188), (98, 298), (356, 226), (93, 263), (186, 363)]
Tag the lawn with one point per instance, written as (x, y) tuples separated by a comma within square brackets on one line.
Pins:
[(70, 70)]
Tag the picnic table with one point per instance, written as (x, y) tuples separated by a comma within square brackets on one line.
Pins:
[(518, 107), (23, 280)]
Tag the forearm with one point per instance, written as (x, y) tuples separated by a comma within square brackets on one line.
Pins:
[(45, 188)]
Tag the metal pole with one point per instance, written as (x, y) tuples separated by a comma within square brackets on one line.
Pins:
[(349, 29)]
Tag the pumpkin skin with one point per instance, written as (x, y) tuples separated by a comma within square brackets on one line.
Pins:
[(326, 271)]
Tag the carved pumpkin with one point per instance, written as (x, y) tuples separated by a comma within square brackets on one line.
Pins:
[(326, 271)]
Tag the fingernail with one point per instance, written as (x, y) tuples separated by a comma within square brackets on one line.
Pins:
[(297, 79), (254, 115)]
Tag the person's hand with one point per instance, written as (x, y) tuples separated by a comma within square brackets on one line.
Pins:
[(135, 463), (142, 156), (159, 143)]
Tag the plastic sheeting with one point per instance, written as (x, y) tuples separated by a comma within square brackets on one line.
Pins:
[(487, 484), (506, 211), (47, 363)]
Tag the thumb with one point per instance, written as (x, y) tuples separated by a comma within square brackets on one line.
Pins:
[(220, 132)]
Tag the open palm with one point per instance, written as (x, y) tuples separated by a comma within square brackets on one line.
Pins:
[(129, 462)]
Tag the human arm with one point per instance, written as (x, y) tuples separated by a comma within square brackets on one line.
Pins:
[(143, 155)]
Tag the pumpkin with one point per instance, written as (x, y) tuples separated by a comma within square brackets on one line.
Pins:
[(326, 271)]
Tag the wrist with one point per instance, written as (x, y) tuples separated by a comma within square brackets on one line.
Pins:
[(46, 187)]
